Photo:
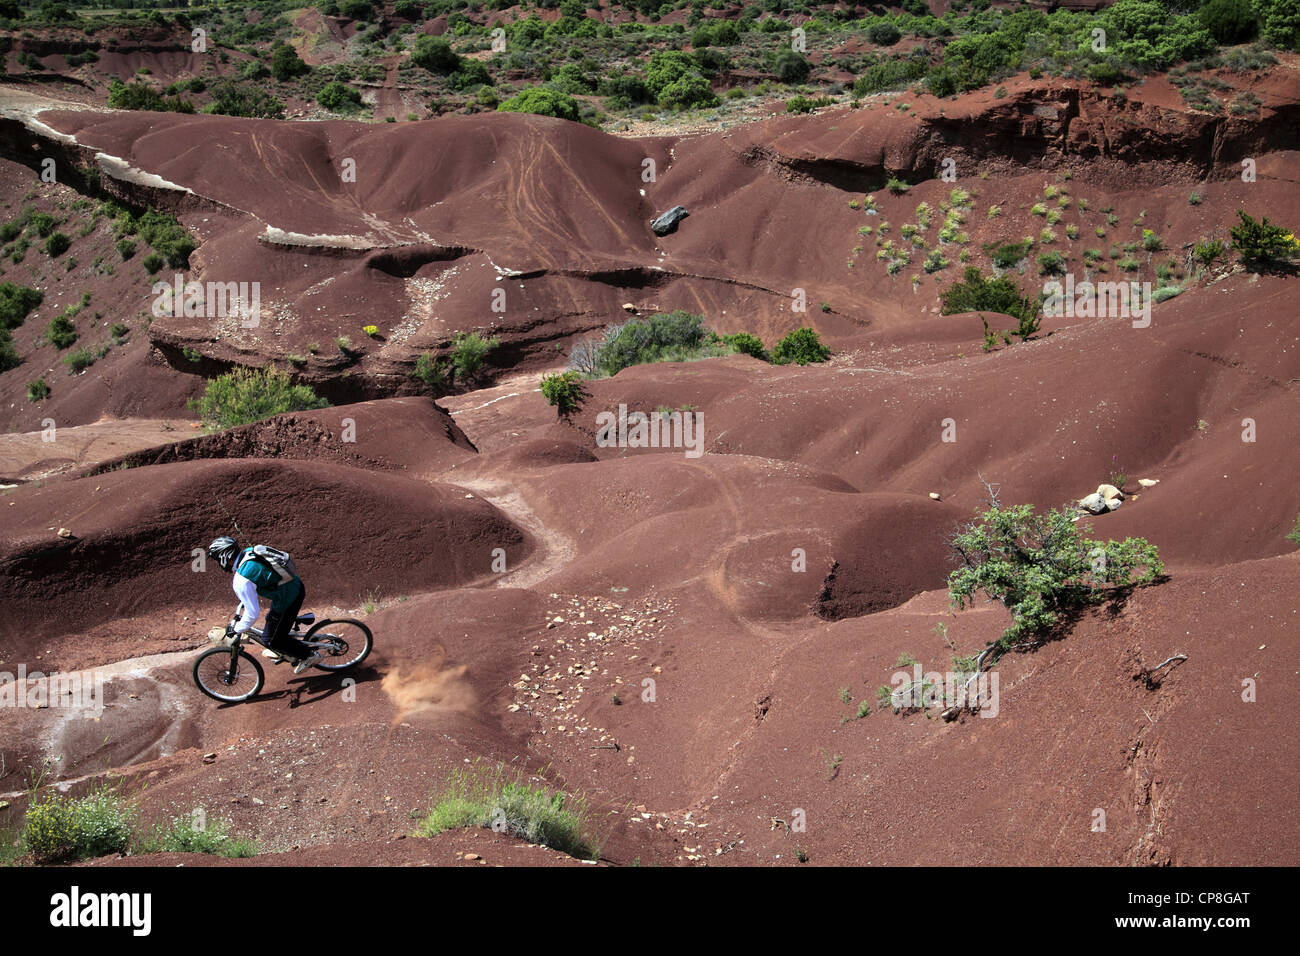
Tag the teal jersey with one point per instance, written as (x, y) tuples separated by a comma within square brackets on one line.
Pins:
[(264, 577)]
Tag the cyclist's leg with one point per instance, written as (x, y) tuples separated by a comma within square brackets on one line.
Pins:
[(279, 622)]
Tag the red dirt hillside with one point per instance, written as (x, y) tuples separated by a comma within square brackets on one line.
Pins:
[(692, 640)]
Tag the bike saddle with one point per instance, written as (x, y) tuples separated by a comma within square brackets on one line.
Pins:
[(305, 618)]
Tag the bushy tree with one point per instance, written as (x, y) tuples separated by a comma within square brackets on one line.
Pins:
[(974, 293), (565, 392), (1041, 567), (1260, 243), (236, 98), (435, 55), (790, 67), (543, 102), (16, 303), (747, 344), (802, 347), (1279, 23), (249, 395), (691, 91), (884, 33), (666, 67), (286, 64), (338, 97)]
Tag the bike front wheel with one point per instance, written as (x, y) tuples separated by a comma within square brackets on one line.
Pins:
[(341, 644), (228, 676)]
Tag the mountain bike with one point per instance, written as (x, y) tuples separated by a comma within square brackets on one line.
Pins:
[(230, 674)]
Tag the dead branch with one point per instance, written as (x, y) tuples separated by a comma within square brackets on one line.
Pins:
[(1148, 674)]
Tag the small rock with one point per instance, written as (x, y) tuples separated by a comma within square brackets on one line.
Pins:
[(471, 856), (935, 495), (64, 533), (208, 758), (1148, 482), (1094, 504), (629, 307), (1109, 491)]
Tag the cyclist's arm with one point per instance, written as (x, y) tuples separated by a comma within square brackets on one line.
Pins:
[(247, 592)]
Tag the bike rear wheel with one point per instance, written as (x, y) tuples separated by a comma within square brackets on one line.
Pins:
[(228, 677), (346, 643)]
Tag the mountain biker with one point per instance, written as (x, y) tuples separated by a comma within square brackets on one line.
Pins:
[(256, 574)]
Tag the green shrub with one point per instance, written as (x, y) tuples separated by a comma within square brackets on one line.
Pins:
[(1294, 535), (140, 96), (790, 67), (60, 332), (884, 33), (78, 360), (435, 55), (183, 834), (168, 238), (897, 186), (286, 64), (974, 293), (477, 796), (37, 391), (1206, 251), (468, 349), (890, 74), (802, 346), (802, 104), (1006, 256), (152, 263), (432, 371), (667, 337), (61, 829), (248, 395), (125, 248), (338, 97), (542, 102), (16, 303), (1051, 263), (9, 357), (747, 344), (42, 222), (240, 98), (1042, 568), (1228, 21), (1259, 243), (565, 392), (57, 244)]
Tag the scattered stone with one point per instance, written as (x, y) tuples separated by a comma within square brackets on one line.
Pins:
[(629, 307), (1148, 482), (208, 758), (935, 495), (64, 533), (1109, 492), (667, 222)]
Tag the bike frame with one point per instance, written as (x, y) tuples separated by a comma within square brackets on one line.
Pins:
[(258, 635)]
